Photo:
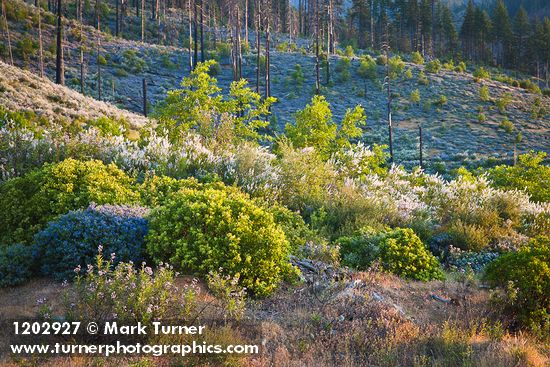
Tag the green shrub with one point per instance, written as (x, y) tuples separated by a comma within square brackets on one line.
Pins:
[(297, 75), (367, 69), (382, 60), (203, 230), (526, 275), (484, 94), (110, 126), (223, 49), (433, 66), (25, 48), (468, 237), (461, 67), (529, 85), (399, 251), (503, 102), (422, 79), (342, 68), (349, 52), (450, 65), (296, 230), (416, 58), (529, 175), (27, 203), (538, 109), (132, 62), (101, 60), (481, 73), (481, 117), (415, 96), (16, 263), (396, 66), (441, 101), (507, 126), (215, 69)]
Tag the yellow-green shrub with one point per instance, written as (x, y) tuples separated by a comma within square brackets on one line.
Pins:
[(27, 203), (205, 230)]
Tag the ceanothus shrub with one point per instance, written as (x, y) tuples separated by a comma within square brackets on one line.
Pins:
[(27, 203), (207, 229), (16, 262), (73, 239)]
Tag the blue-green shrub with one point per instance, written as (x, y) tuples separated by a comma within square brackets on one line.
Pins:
[(73, 239), (16, 263)]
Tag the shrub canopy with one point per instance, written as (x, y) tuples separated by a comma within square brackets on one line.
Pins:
[(27, 203)]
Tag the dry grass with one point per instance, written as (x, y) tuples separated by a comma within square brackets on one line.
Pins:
[(374, 320), (23, 90)]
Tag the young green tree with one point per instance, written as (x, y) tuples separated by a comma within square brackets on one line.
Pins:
[(314, 127), (201, 107)]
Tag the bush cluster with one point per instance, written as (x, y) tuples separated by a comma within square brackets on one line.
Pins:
[(127, 294), (27, 203), (73, 239), (203, 230), (525, 275), (399, 251), (16, 262)]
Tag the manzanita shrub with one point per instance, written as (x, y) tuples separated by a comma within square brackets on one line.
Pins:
[(27, 203), (72, 240), (16, 263), (203, 230), (400, 251)]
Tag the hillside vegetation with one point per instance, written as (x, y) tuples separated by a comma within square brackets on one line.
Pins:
[(276, 216)]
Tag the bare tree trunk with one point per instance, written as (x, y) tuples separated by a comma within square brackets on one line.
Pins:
[(189, 19), (267, 55), (239, 50), (117, 16), (59, 67), (389, 96), (246, 22), (258, 45), (40, 48), (195, 34), (202, 30), (371, 24), (7, 30), (317, 71), (81, 48), (329, 38), (99, 49), (142, 20)]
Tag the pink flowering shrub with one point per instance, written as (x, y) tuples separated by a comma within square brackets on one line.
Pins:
[(104, 292)]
